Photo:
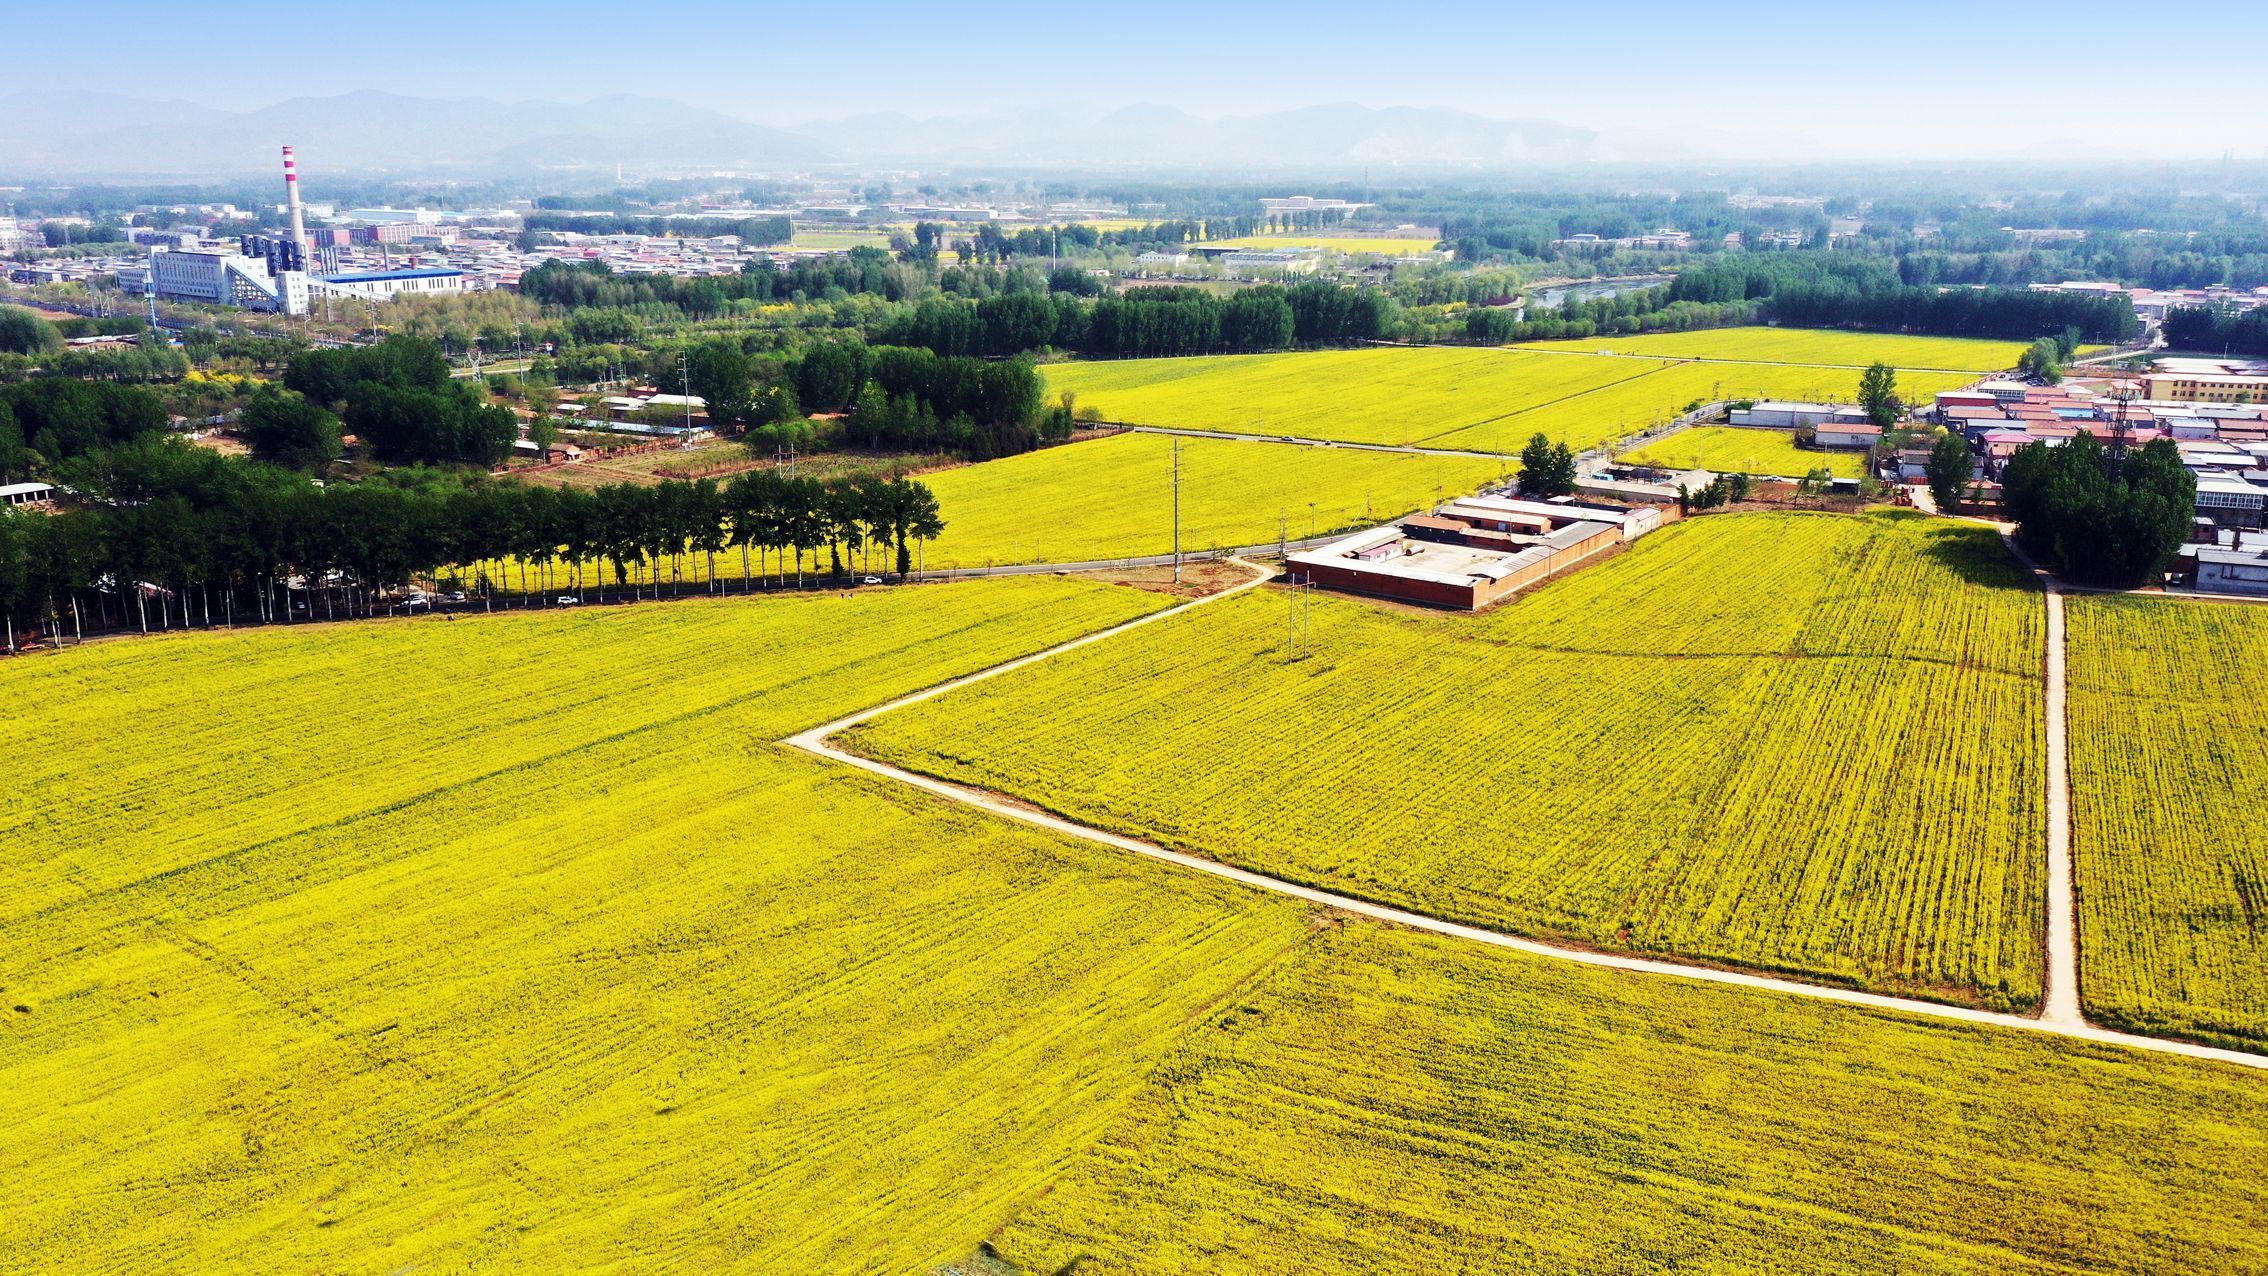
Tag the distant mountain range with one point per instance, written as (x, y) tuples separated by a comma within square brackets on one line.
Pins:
[(93, 134)]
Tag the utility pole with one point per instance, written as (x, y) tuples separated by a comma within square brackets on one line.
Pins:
[(1177, 509), (685, 384)]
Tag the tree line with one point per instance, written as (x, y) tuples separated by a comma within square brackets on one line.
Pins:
[(176, 536), (1824, 291), (1148, 322), (2218, 328), (594, 285)]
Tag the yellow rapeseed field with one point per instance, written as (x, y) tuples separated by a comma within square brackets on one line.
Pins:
[(1113, 497), (1798, 742), (2169, 777), (1735, 450), (1397, 1102), (517, 943), (414, 946), (1624, 408), (1812, 346), (1379, 395), (1440, 396)]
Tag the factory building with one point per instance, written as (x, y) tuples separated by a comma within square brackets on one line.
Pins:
[(223, 276), (385, 285)]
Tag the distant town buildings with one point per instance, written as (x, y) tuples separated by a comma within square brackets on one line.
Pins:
[(1667, 239), (1281, 205)]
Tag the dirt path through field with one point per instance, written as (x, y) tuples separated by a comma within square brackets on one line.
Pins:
[(2061, 983)]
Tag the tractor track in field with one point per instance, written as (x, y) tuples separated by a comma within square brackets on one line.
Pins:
[(2061, 1015)]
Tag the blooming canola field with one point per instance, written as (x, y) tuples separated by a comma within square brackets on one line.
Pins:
[(1391, 1101), (1738, 450), (520, 943), (1793, 742), (1810, 346), (404, 946), (1114, 497), (2169, 777), (1490, 400)]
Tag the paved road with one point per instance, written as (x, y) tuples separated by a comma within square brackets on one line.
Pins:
[(817, 741)]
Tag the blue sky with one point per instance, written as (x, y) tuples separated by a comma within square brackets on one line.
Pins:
[(1901, 78)]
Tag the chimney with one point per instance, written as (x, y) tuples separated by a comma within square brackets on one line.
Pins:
[(291, 190)]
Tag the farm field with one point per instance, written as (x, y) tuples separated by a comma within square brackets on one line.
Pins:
[(1624, 408), (598, 985), (1799, 743), (1379, 395), (835, 241), (1381, 245), (1810, 346), (416, 702), (1733, 450), (1447, 397), (1393, 1101), (2169, 781), (1113, 497)]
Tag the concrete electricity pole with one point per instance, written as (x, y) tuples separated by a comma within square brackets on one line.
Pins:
[(1177, 509)]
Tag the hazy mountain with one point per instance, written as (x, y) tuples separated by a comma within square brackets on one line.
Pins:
[(95, 133), (1340, 135), (89, 134)]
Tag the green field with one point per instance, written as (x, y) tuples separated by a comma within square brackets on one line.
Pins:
[(2169, 803), (1811, 346), (1731, 450), (1113, 497), (1397, 1102), (1441, 396), (1796, 742)]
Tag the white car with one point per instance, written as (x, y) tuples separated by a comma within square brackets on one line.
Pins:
[(871, 580), (569, 600)]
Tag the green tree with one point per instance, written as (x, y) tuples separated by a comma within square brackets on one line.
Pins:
[(22, 332), (285, 428), (718, 373), (1949, 468), (1546, 468), (2043, 359), (2099, 519), (1878, 394)]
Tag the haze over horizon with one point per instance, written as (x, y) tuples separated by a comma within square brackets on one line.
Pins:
[(1786, 81)]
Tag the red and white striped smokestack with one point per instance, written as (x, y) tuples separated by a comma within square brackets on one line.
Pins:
[(291, 190)]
